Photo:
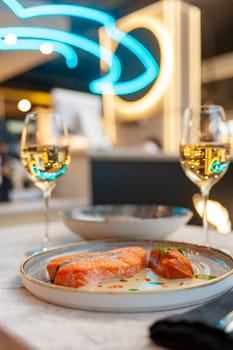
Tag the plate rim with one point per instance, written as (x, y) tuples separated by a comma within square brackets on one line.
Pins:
[(25, 276)]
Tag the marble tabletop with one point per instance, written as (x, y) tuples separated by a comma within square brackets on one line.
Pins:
[(27, 322)]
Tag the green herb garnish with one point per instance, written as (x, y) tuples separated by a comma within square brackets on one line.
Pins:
[(133, 289), (160, 249), (180, 249), (205, 277), (164, 251)]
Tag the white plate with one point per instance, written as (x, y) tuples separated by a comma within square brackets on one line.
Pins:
[(143, 292), (126, 221)]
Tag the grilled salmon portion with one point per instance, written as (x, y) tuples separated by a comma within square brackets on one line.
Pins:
[(80, 269), (170, 263)]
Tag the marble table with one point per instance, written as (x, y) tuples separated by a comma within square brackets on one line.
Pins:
[(27, 322)]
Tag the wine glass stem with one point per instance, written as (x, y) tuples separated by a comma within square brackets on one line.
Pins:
[(205, 196), (47, 218)]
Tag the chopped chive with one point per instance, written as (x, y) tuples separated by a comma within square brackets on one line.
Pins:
[(180, 249), (164, 251), (205, 277), (133, 289)]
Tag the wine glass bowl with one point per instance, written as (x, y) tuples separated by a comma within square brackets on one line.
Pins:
[(205, 150), (45, 155)]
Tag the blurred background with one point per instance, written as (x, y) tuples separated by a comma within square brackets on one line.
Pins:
[(132, 154)]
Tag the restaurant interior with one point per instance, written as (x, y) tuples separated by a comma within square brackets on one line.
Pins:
[(124, 147), (116, 134)]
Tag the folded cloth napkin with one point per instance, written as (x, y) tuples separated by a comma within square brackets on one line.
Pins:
[(196, 329)]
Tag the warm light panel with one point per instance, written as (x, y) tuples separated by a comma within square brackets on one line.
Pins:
[(175, 26)]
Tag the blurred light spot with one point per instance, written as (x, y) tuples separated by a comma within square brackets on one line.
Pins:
[(217, 215), (10, 39), (46, 48), (24, 105)]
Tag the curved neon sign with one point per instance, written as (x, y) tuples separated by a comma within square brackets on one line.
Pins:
[(61, 40), (68, 52)]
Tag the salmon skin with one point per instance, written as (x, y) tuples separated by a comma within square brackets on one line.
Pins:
[(91, 268)]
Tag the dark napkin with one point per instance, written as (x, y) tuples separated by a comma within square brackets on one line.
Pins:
[(196, 329)]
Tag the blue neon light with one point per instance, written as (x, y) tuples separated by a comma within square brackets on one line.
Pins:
[(34, 44), (109, 82), (71, 39)]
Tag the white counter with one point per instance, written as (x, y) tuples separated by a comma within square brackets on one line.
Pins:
[(44, 326)]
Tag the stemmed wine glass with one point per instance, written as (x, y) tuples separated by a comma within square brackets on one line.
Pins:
[(45, 155), (205, 150)]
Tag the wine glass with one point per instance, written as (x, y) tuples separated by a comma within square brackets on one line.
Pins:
[(45, 155), (205, 150)]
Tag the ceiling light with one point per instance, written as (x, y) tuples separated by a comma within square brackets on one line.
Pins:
[(46, 48), (10, 39), (24, 105)]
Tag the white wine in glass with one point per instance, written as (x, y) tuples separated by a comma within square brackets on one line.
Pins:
[(205, 150), (45, 155)]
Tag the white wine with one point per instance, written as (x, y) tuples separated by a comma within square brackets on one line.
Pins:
[(45, 164), (205, 163)]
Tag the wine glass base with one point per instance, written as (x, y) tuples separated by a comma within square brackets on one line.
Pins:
[(38, 250)]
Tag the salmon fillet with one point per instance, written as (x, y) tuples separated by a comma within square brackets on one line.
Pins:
[(80, 269), (170, 263)]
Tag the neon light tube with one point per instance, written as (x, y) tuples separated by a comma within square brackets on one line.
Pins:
[(108, 83), (68, 52)]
